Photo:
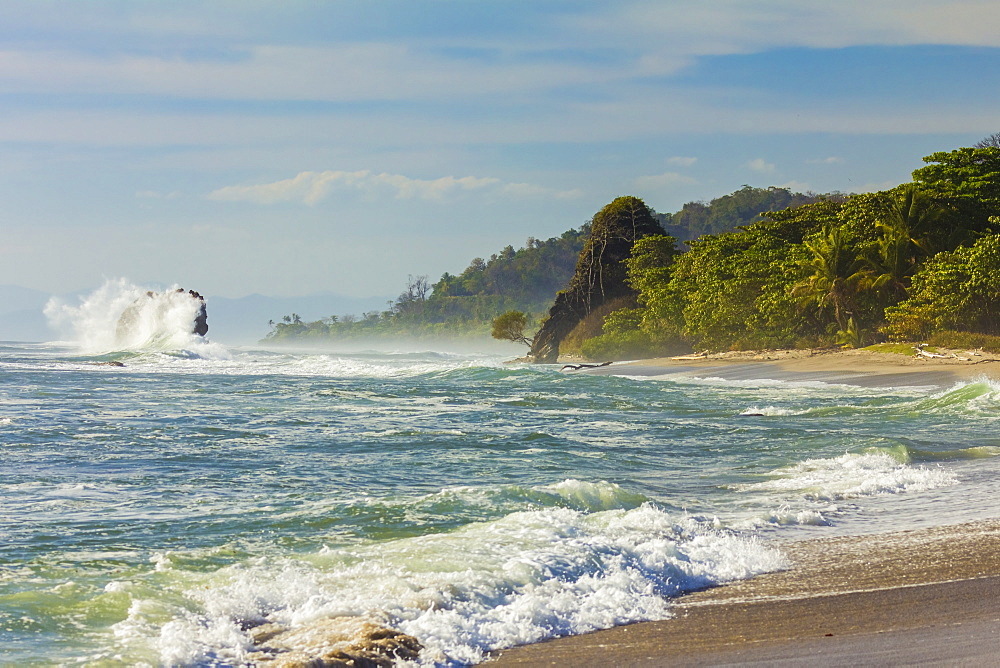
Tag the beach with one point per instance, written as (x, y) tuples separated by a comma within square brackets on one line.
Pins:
[(926, 596), (850, 367), (915, 597), (215, 506)]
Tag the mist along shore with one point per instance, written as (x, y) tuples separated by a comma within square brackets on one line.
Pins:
[(928, 596), (849, 367)]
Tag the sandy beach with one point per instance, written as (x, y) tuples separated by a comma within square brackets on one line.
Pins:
[(927, 597), (850, 367)]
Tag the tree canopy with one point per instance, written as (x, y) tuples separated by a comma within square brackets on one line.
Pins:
[(760, 268)]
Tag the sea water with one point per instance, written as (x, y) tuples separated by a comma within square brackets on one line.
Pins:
[(162, 501)]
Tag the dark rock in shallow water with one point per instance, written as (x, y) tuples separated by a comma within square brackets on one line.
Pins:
[(201, 320)]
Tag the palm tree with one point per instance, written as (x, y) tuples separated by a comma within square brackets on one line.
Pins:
[(832, 273), (906, 236)]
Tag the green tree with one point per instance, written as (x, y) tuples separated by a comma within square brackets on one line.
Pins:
[(832, 273), (956, 290), (734, 289), (600, 275), (968, 181), (510, 326), (907, 222), (741, 208)]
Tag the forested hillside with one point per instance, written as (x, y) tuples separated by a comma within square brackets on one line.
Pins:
[(743, 207), (526, 279), (915, 262)]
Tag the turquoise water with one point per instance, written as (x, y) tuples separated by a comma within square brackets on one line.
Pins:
[(154, 513)]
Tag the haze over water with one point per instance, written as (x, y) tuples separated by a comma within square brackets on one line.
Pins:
[(154, 513)]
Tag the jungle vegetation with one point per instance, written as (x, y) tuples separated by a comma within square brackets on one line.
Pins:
[(916, 262), (525, 280), (757, 269)]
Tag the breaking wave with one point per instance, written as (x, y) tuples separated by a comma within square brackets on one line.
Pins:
[(121, 316), (524, 577)]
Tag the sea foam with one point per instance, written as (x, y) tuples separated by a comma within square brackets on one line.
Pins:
[(157, 321), (524, 577), (851, 476)]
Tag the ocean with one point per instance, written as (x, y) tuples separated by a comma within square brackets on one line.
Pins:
[(166, 500)]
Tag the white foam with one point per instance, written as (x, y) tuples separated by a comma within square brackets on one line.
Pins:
[(152, 320), (852, 476), (525, 577), (772, 411)]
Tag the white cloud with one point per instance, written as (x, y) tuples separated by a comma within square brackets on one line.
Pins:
[(681, 161), (761, 165), (155, 194), (313, 187), (664, 181), (797, 186), (683, 28), (832, 160), (664, 36)]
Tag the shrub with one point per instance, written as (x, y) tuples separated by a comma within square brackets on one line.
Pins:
[(966, 340)]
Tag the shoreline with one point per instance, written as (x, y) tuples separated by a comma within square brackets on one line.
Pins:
[(848, 367), (926, 595)]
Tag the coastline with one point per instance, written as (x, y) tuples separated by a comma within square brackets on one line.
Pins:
[(850, 367), (920, 596)]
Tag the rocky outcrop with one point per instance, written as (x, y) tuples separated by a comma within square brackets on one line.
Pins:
[(600, 272), (155, 310), (340, 642)]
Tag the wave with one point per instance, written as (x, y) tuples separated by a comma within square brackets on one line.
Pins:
[(523, 577), (453, 507), (120, 316), (980, 396), (852, 476)]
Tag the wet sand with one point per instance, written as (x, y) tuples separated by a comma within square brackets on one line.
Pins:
[(930, 597)]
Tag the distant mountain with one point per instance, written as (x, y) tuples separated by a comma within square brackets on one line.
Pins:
[(21, 317)]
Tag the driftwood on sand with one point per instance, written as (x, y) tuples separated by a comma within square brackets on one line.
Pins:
[(577, 367)]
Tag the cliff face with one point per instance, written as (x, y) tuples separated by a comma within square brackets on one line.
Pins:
[(600, 272)]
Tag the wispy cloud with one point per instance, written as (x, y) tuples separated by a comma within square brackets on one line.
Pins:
[(664, 181), (313, 187), (156, 194), (832, 160), (797, 186), (761, 165), (681, 161), (684, 28)]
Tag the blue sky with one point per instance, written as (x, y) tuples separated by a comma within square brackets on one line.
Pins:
[(296, 147)]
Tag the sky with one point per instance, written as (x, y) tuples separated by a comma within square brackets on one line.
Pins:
[(296, 147)]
